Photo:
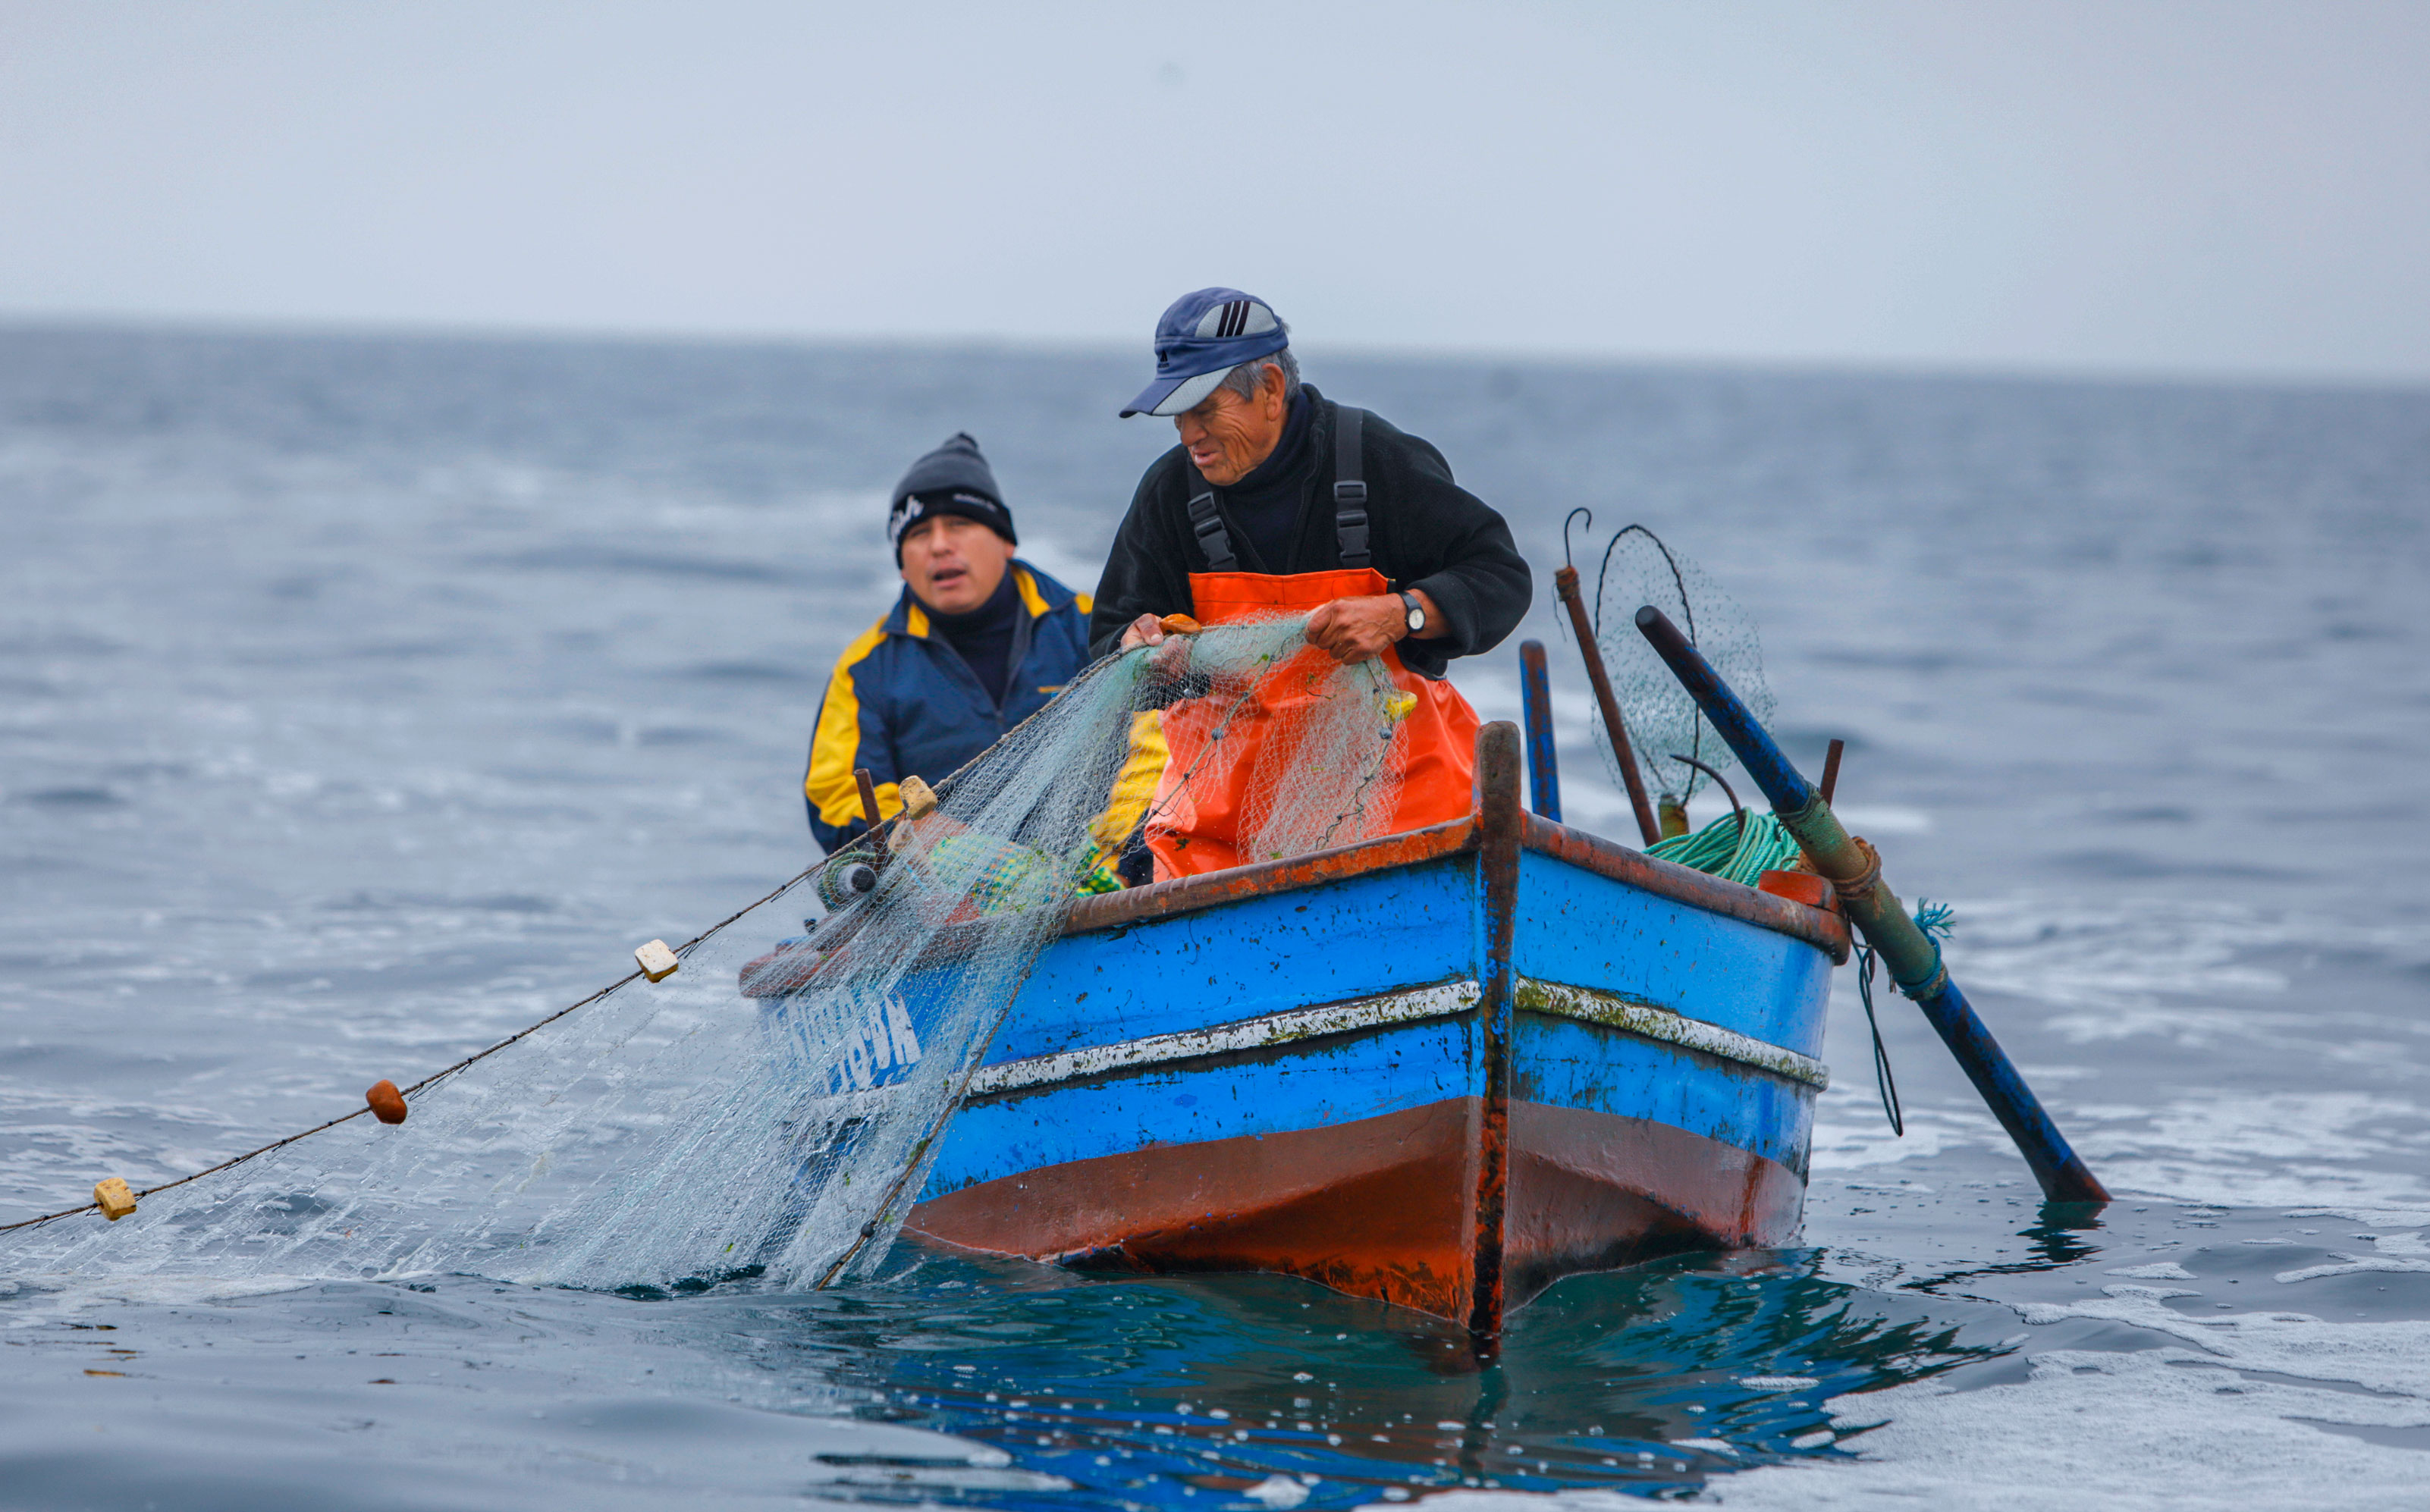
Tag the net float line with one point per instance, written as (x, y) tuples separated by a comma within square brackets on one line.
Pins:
[(650, 964), (394, 1102)]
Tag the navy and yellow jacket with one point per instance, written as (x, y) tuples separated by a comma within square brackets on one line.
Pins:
[(903, 704)]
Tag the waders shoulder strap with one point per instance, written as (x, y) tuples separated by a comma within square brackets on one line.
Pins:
[(1349, 501), (1206, 524), (1349, 486)]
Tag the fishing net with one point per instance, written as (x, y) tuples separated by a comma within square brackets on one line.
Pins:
[(770, 1111), (1664, 723)]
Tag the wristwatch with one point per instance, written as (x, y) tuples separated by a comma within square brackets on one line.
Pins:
[(1417, 612)]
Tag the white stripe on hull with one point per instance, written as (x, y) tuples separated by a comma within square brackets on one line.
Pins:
[(1355, 1015), (1440, 1002)]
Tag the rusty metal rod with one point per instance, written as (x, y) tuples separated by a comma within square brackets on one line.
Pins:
[(868, 797), (1565, 583)]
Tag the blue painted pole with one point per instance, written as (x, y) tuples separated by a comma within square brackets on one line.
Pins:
[(1536, 699), (1914, 962)]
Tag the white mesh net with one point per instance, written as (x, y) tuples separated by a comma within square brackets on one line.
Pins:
[(771, 1114), (1663, 721)]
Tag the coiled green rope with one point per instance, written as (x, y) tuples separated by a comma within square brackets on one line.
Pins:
[(1723, 850)]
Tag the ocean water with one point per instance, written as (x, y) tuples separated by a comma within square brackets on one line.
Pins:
[(362, 699)]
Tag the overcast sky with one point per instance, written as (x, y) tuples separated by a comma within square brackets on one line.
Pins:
[(2203, 188)]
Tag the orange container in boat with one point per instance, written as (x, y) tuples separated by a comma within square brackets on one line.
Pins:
[(1804, 887)]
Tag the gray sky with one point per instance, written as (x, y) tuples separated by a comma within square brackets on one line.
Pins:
[(2213, 188)]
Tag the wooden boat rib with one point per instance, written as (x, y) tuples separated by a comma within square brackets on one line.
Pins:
[(1441, 1069)]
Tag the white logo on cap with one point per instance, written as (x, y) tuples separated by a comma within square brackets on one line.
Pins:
[(1236, 317)]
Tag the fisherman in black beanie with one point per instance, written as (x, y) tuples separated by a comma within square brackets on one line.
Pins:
[(953, 479), (978, 641)]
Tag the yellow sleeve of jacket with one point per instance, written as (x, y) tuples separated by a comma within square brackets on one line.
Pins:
[(1134, 786), (841, 746)]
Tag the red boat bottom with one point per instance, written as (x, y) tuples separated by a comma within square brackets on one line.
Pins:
[(1385, 1207)]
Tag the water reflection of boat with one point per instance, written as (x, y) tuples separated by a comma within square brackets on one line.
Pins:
[(1442, 1069), (1649, 1379)]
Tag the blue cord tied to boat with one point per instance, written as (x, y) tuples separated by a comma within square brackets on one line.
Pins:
[(1934, 921)]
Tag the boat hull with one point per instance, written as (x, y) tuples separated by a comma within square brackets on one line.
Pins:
[(1385, 1207), (1441, 1070)]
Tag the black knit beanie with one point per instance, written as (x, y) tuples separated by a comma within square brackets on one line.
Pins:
[(953, 479)]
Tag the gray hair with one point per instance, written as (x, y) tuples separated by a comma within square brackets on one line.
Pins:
[(1250, 377)]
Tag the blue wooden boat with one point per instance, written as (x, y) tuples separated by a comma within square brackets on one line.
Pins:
[(1443, 1069)]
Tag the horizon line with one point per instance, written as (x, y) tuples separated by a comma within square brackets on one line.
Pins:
[(1917, 368)]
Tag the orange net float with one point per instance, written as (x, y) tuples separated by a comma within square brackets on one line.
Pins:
[(387, 1103)]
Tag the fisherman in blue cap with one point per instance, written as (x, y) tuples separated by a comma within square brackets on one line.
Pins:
[(979, 642), (1277, 501)]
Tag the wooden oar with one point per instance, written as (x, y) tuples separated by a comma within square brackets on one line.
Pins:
[(1914, 962)]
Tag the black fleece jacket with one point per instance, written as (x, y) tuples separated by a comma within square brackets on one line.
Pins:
[(1424, 531)]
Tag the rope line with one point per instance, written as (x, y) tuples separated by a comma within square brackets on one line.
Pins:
[(1884, 1082), (233, 1161), (437, 1076)]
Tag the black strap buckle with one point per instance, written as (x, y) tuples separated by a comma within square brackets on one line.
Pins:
[(1350, 529), (1212, 537), (1349, 487), (1350, 522)]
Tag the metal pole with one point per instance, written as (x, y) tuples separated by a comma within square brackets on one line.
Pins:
[(1565, 583), (1913, 959), (1536, 700)]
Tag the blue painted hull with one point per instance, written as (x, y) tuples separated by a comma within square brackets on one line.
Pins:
[(1433, 1068)]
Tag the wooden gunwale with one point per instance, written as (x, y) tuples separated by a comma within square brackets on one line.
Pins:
[(1824, 931), (1180, 895)]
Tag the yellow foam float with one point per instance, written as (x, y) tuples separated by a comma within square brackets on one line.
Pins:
[(116, 1199), (657, 962)]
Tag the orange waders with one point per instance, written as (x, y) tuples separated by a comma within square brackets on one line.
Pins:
[(1200, 804)]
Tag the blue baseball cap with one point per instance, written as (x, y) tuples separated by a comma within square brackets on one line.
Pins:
[(1202, 337)]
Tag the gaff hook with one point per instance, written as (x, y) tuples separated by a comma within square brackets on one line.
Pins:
[(1738, 810)]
